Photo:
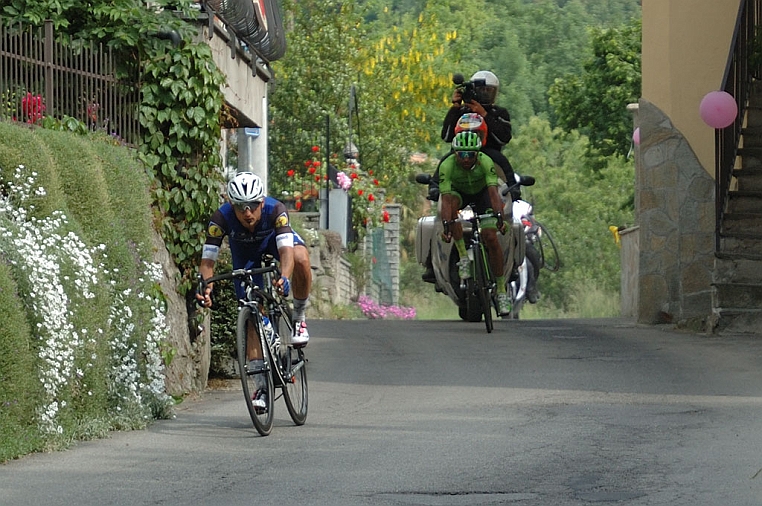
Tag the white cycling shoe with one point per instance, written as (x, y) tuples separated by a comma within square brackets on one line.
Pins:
[(301, 336)]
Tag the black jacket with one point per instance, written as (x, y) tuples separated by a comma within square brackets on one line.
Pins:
[(498, 125)]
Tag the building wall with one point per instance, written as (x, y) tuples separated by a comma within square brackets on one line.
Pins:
[(686, 44), (685, 50)]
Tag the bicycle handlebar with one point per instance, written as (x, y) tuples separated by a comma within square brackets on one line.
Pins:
[(234, 274)]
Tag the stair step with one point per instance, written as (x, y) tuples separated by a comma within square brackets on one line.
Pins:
[(752, 131), (738, 321), (741, 243), (733, 223), (753, 114), (749, 178), (730, 269), (752, 136), (737, 295), (745, 202), (751, 154)]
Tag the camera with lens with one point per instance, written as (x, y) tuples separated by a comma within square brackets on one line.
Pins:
[(468, 88)]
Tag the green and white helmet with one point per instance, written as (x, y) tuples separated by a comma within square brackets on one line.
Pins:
[(467, 141)]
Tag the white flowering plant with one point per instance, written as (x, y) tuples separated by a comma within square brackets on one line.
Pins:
[(96, 333)]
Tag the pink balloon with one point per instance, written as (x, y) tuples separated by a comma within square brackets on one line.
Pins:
[(636, 136), (718, 109)]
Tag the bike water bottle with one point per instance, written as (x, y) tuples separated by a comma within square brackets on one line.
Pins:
[(269, 331)]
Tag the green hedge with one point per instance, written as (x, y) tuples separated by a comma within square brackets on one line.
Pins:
[(83, 319)]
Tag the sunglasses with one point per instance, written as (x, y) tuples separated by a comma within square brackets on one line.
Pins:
[(466, 155), (251, 206)]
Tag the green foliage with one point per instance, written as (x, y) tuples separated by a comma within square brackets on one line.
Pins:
[(577, 205), (19, 386), (180, 116), (103, 331), (595, 102), (181, 109), (223, 319)]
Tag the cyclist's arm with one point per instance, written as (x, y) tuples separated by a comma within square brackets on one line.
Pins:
[(284, 240), (215, 231)]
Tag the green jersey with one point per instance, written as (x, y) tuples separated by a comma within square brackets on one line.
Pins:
[(453, 178)]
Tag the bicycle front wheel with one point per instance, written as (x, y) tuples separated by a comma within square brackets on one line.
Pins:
[(482, 278), (256, 377), (295, 388)]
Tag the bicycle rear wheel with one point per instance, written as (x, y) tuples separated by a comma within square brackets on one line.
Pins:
[(254, 381), (295, 388), (482, 285)]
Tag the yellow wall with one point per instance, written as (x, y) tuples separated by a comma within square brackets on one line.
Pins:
[(685, 49)]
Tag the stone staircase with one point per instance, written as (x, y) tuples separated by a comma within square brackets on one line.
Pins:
[(737, 280)]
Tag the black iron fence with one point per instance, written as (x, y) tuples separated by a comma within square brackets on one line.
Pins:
[(42, 79), (737, 81)]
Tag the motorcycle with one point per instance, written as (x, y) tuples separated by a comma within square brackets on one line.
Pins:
[(431, 249), (523, 289), (529, 269)]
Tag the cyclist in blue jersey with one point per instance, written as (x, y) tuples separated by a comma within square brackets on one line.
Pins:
[(255, 225)]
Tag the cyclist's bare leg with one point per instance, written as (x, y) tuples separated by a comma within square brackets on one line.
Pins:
[(253, 345), (302, 276)]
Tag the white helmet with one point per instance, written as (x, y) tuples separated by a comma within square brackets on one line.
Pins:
[(245, 187), (488, 93)]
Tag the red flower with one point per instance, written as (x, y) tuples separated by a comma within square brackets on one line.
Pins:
[(353, 175), (316, 163), (386, 216), (359, 192), (375, 182), (317, 178), (298, 205), (371, 197), (370, 172), (311, 170), (291, 173), (315, 149), (308, 163)]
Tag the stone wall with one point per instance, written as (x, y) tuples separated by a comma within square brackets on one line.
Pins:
[(189, 368), (674, 202)]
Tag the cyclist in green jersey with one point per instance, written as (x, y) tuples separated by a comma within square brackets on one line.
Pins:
[(469, 177)]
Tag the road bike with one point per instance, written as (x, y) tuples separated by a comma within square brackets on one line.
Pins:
[(480, 288), (264, 329)]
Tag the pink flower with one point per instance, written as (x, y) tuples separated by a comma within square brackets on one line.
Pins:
[(345, 182)]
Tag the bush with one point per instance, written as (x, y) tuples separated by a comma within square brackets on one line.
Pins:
[(83, 347)]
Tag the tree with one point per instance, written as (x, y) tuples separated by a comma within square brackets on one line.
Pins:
[(596, 102), (182, 103), (577, 205)]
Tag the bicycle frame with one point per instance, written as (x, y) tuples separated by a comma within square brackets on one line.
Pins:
[(483, 280), (284, 366)]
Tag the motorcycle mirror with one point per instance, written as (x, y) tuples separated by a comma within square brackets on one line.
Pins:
[(423, 178), (527, 180)]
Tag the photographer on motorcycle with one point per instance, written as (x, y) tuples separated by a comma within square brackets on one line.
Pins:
[(481, 92), (483, 86), (466, 178)]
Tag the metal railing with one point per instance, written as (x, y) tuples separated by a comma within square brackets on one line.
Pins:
[(41, 77), (737, 82)]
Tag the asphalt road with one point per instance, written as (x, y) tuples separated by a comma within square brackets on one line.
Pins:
[(538, 413)]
